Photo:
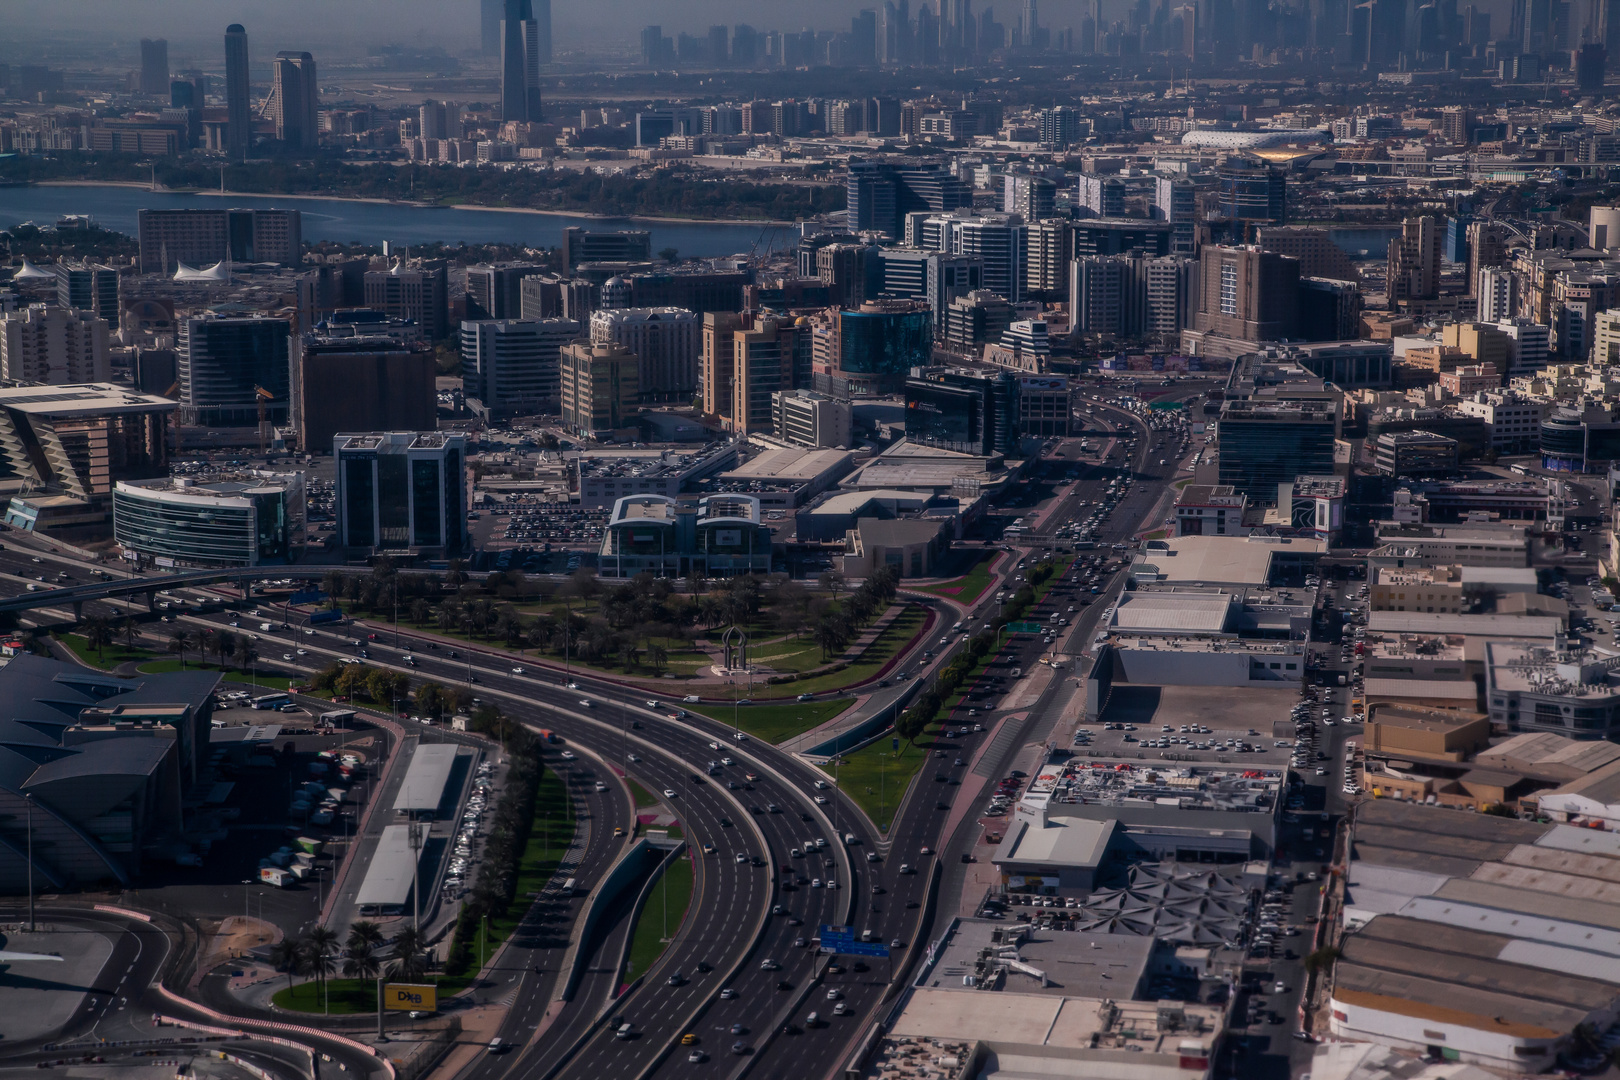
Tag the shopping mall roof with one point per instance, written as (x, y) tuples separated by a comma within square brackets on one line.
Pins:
[(94, 399)]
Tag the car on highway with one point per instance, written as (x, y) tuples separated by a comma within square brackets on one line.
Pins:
[(727, 994), (585, 703), (669, 793)]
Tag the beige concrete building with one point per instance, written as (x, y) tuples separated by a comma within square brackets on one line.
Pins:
[(600, 389)]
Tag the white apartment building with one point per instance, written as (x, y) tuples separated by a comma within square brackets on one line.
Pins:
[(54, 345), (1514, 424)]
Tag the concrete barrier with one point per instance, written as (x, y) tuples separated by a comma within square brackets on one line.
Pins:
[(294, 1029), (628, 867), (864, 732)]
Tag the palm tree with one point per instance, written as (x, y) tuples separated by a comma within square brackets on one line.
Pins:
[(455, 574), (319, 946), (359, 961), (179, 642), (364, 932), (132, 631), (409, 963), (284, 956), (97, 634)]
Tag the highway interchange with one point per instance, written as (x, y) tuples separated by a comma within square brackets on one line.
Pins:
[(761, 808)]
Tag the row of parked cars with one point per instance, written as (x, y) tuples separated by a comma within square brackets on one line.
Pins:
[(467, 838)]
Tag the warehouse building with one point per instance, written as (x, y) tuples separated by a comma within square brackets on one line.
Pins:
[(1475, 938)]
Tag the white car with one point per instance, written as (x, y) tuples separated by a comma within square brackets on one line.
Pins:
[(517, 671), (585, 703), (689, 697), (669, 793)]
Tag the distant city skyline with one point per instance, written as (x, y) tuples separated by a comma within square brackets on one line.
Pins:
[(192, 26)]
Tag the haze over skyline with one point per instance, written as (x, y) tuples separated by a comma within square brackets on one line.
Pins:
[(195, 25)]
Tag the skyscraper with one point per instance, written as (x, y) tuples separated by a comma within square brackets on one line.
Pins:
[(295, 99), (154, 67), (542, 27), (239, 122), (490, 13), (520, 60)]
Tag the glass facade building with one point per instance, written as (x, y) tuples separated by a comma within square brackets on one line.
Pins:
[(966, 411), (881, 343), (402, 492), (168, 522)]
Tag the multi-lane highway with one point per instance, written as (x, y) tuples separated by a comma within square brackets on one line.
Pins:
[(752, 920)]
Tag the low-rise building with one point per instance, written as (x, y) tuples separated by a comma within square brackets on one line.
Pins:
[(1530, 687), (1470, 940), (1225, 560), (1402, 544), (1414, 453), (718, 536), (788, 477), (1210, 510), (603, 476), (811, 419), (910, 546), (248, 520)]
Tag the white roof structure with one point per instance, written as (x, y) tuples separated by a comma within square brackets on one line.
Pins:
[(220, 271), (1218, 560), (31, 272), (1250, 140), (423, 786), (389, 877), (1173, 613)]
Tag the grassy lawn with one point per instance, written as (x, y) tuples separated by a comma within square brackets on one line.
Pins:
[(671, 894), (548, 841), (876, 775), (1061, 565), (641, 795), (888, 644), (775, 723), (967, 588), (269, 682), (341, 996), (110, 657)]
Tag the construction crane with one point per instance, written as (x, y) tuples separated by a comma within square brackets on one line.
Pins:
[(263, 397)]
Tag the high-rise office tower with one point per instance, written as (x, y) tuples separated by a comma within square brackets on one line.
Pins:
[(490, 13), (1030, 25), (520, 60), (295, 99), (154, 67), (238, 116), (744, 46)]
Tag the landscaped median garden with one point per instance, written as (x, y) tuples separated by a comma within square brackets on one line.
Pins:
[(661, 917), (875, 776)]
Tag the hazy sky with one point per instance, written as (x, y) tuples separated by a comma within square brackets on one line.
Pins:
[(450, 23)]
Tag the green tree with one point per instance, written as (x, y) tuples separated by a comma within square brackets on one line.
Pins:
[(409, 963), (131, 628), (430, 699), (359, 961), (668, 254), (179, 642), (98, 634), (284, 956), (657, 658)]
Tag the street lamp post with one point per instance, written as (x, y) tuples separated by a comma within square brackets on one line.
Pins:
[(29, 800)]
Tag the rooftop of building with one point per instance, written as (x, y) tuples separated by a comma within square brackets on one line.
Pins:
[(1491, 923), (850, 502), (1530, 627), (1550, 754), (1058, 1023), (649, 462), (1210, 495), (643, 510), (1418, 575), (81, 399), (1395, 645), (397, 442), (789, 464), (1537, 669), (1475, 532), (1244, 560), (1319, 487), (227, 486), (725, 509), (1417, 718), (1088, 965)]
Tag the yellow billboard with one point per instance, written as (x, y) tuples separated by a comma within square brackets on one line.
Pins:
[(413, 997)]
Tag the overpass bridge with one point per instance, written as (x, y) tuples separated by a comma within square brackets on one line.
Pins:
[(132, 587)]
